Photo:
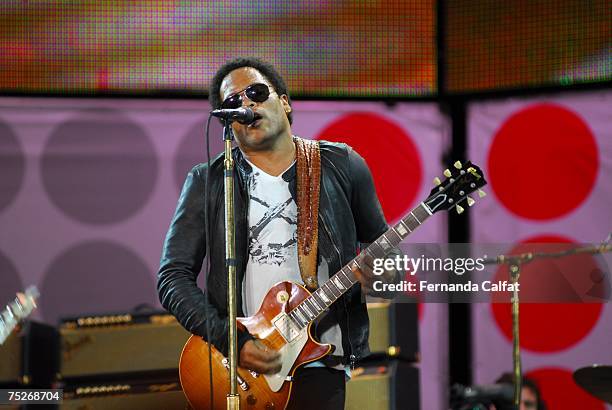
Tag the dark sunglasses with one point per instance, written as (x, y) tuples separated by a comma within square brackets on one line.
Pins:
[(255, 92)]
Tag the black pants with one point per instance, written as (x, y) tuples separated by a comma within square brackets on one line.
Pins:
[(319, 388)]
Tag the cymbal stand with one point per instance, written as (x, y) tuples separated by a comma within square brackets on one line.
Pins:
[(515, 262)]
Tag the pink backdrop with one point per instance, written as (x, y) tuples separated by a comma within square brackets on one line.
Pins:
[(549, 163), (89, 187)]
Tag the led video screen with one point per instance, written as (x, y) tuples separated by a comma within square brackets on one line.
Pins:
[(323, 48), (493, 45)]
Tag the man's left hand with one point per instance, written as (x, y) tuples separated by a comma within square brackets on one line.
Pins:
[(366, 275)]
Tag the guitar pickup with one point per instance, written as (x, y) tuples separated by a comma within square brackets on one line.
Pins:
[(286, 327)]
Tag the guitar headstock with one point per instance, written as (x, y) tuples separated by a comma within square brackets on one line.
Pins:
[(461, 180), (25, 303), (17, 310)]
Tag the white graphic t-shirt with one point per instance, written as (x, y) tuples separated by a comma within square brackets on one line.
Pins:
[(273, 255), (272, 238)]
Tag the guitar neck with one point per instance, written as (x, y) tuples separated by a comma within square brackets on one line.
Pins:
[(8, 322), (313, 306), (15, 311)]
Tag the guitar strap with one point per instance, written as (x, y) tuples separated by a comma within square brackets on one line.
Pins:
[(308, 162)]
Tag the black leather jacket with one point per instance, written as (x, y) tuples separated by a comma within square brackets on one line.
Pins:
[(349, 214)]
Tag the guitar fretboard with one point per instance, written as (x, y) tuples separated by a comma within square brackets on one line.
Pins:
[(337, 285)]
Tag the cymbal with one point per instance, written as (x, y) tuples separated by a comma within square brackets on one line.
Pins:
[(597, 380)]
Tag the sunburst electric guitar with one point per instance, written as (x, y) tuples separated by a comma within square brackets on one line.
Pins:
[(288, 310)]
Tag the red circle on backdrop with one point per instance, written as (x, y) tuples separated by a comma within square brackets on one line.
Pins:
[(543, 162), (390, 153), (560, 392), (550, 327)]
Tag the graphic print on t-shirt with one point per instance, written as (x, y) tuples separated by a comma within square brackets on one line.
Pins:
[(273, 223), (273, 248)]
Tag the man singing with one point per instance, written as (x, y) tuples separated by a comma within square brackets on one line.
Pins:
[(269, 239)]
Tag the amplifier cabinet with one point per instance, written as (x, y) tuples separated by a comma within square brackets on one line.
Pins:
[(172, 400), (10, 360), (29, 357), (392, 387), (380, 333), (156, 391), (109, 345), (370, 391), (395, 325)]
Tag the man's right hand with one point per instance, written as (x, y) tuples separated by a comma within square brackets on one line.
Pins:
[(256, 356)]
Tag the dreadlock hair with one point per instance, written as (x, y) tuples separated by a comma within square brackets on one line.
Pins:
[(263, 67)]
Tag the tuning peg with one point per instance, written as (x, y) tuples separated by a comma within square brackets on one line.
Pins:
[(481, 193), (457, 164), (459, 209), (437, 181), (447, 173), (470, 201)]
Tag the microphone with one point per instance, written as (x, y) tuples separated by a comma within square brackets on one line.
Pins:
[(242, 115), (502, 392)]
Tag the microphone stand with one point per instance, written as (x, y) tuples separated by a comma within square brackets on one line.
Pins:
[(514, 262), (233, 398)]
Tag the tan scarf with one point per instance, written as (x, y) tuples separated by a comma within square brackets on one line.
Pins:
[(308, 162)]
